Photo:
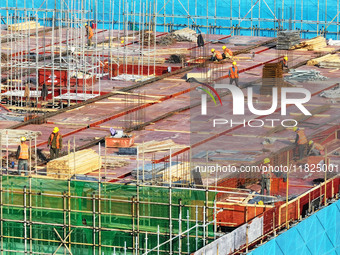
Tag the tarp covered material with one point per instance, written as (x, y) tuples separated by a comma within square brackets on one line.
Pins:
[(318, 234), (234, 240)]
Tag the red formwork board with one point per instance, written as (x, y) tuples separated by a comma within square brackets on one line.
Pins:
[(60, 78), (158, 70), (112, 142)]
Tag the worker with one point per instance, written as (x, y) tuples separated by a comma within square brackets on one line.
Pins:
[(227, 53), (55, 143), (285, 62), (89, 35), (22, 156), (315, 149), (300, 141), (265, 177), (217, 56), (233, 74)]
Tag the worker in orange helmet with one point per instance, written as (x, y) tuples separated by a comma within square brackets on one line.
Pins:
[(217, 56), (55, 142), (89, 35), (300, 141), (23, 156), (227, 53), (315, 149), (233, 74)]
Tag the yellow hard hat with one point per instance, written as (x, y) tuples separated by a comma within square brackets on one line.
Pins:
[(122, 41), (224, 47), (234, 63), (260, 202), (311, 142), (56, 130), (85, 24), (285, 58), (266, 161), (23, 139), (295, 129), (212, 50)]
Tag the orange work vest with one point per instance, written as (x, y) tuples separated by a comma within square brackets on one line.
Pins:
[(228, 51), (90, 32), (218, 55), (57, 140), (23, 151), (319, 147), (233, 74), (302, 137)]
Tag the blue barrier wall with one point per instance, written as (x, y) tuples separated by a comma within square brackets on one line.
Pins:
[(256, 17), (317, 235)]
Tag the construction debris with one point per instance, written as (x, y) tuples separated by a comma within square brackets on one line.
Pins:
[(29, 25), (287, 39), (326, 58), (81, 162), (182, 35), (174, 58), (314, 44), (305, 75), (4, 57), (146, 38), (185, 35), (332, 93), (166, 40)]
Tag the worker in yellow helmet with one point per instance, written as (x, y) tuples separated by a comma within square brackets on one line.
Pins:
[(315, 149), (284, 62), (55, 143), (265, 176), (227, 53), (23, 156), (216, 55), (89, 35), (300, 142), (233, 74)]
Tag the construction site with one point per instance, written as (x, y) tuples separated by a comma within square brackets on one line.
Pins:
[(169, 127)]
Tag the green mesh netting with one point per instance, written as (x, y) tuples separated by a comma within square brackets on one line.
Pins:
[(104, 217)]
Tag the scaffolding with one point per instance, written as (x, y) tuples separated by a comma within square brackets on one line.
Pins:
[(45, 216), (57, 43)]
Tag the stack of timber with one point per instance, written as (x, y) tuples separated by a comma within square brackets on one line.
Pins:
[(167, 51), (113, 162), (326, 58), (13, 136), (81, 162), (179, 173), (287, 39), (154, 146), (29, 25), (314, 44), (272, 76), (136, 60)]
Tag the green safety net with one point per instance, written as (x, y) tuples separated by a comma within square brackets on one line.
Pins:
[(103, 218)]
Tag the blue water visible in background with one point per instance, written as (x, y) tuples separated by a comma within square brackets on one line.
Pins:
[(304, 12)]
